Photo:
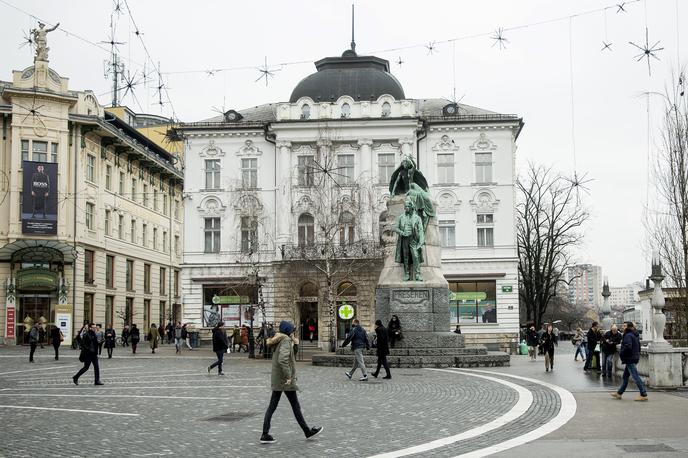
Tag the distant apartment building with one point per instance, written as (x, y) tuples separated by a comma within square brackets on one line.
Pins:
[(585, 285), (624, 296)]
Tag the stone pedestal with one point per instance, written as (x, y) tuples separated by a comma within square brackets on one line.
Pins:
[(665, 367)]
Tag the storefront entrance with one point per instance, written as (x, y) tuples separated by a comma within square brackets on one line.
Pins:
[(308, 313), (32, 309)]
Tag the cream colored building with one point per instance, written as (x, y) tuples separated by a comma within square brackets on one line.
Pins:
[(104, 243)]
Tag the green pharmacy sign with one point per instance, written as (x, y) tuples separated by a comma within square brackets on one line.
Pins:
[(469, 296), (230, 300), (346, 312)]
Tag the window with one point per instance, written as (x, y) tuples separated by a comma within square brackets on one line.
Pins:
[(88, 266), (164, 242), (90, 210), (133, 231), (155, 238), (346, 110), (249, 234), (386, 109), (385, 168), (485, 218), (146, 315), (175, 283), (120, 227), (212, 235), (346, 228), (25, 150), (445, 168), (109, 271), (305, 170), (447, 233), (164, 204), (163, 281), (483, 167), (53, 152), (144, 234), (212, 174), (40, 151), (305, 111), (176, 244), (249, 173), (108, 177), (121, 183), (145, 195), (146, 278), (129, 311), (88, 307), (133, 189), (345, 162), (176, 209), (162, 309), (130, 275), (90, 167), (306, 230), (109, 310), (485, 229), (473, 301), (155, 199), (108, 215)]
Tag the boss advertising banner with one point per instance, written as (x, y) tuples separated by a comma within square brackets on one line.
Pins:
[(39, 198)]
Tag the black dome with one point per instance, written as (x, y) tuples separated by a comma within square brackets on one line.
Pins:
[(360, 77)]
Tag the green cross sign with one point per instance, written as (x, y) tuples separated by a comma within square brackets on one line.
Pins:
[(346, 312)]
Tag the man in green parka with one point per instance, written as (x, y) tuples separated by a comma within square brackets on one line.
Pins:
[(283, 379)]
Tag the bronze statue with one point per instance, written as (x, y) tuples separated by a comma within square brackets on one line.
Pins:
[(404, 175), (422, 203), (410, 242)]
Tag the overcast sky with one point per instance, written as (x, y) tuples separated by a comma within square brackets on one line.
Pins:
[(531, 77)]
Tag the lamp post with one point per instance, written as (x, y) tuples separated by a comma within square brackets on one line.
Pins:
[(606, 309)]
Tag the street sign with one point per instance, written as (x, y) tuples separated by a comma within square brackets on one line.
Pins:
[(469, 296), (346, 312), (507, 288), (227, 300)]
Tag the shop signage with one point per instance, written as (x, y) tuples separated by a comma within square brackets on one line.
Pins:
[(507, 288), (469, 296), (39, 198), (10, 311), (226, 300), (9, 331), (63, 320), (346, 312)]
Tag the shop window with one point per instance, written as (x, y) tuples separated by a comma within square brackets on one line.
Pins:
[(473, 301)]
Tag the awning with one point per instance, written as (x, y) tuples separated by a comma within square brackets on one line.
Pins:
[(33, 250)]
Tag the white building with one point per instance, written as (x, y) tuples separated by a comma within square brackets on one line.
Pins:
[(585, 285), (253, 199), (623, 296)]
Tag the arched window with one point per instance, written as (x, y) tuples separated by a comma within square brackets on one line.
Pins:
[(346, 228), (346, 110), (306, 230), (386, 109), (346, 288), (305, 111), (308, 289)]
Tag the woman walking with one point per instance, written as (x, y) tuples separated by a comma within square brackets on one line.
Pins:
[(153, 337), (394, 330), (578, 342), (100, 337), (547, 343), (283, 380), (220, 346), (110, 337), (56, 337), (135, 336)]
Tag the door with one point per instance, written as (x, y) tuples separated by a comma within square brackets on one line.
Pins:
[(35, 308), (308, 313)]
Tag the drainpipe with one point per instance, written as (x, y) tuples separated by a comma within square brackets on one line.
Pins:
[(269, 137), (423, 131)]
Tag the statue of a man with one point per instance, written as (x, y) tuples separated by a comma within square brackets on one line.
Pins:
[(422, 203), (410, 242), (40, 39)]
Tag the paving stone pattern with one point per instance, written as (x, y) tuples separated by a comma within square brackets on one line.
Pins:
[(360, 418)]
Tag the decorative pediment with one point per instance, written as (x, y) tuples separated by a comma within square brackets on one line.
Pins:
[(211, 206), (483, 144), (303, 204), (249, 149), (347, 203), (211, 150), (447, 202), (484, 201), (248, 205), (445, 144)]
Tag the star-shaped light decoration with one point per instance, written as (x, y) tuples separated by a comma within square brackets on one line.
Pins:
[(498, 38), (117, 7), (606, 46), (400, 62), (431, 47), (32, 111), (579, 183), (647, 51), (210, 72), (620, 8), (266, 72), (27, 41)]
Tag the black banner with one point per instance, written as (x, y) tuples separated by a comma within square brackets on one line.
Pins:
[(39, 198)]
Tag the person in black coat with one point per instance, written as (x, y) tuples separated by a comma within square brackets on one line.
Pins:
[(547, 342), (89, 355), (394, 330), (532, 340), (382, 350), (110, 337), (135, 337), (220, 346), (56, 339), (593, 339)]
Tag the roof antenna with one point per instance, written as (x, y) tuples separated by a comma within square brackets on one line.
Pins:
[(353, 42)]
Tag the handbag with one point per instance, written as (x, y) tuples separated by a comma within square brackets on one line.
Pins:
[(82, 356), (597, 348), (61, 337)]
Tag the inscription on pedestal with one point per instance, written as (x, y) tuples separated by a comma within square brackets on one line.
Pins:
[(411, 296)]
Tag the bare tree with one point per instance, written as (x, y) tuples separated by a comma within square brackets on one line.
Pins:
[(667, 230), (549, 225)]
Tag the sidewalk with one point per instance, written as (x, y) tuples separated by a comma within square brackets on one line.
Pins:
[(656, 428)]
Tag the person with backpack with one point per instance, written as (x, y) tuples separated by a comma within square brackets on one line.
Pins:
[(630, 356), (359, 341)]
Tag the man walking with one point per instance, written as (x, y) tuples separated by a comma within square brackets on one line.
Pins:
[(178, 337), (34, 335), (630, 355), (611, 339), (283, 380), (382, 349), (220, 346), (593, 339), (89, 355), (532, 340), (359, 341)]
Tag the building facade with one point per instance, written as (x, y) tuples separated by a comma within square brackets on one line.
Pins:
[(90, 216), (585, 285), (285, 203)]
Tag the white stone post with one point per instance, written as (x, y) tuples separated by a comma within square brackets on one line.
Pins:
[(658, 317), (606, 309)]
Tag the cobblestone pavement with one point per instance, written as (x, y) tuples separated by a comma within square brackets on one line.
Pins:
[(167, 405)]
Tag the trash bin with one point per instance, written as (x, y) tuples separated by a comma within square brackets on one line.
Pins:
[(195, 339)]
